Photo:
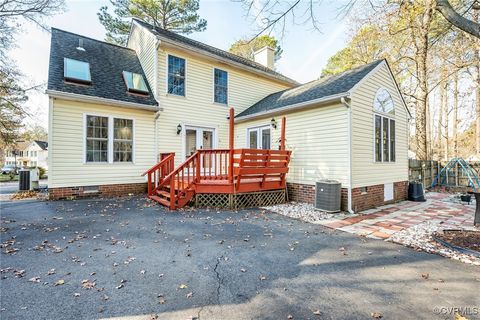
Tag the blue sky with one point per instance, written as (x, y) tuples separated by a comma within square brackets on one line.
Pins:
[(305, 51)]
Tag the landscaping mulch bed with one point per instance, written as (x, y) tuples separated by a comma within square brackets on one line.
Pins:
[(465, 239)]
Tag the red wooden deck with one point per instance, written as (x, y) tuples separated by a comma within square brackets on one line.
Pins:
[(227, 171)]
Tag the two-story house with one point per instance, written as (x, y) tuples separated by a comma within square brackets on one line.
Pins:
[(28, 154), (113, 111)]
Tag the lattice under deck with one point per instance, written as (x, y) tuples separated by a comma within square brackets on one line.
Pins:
[(240, 200)]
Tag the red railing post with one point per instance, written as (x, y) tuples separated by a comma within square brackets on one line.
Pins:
[(197, 167), (282, 137), (231, 144), (172, 193), (149, 184)]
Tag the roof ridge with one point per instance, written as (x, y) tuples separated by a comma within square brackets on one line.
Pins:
[(93, 39), (246, 60)]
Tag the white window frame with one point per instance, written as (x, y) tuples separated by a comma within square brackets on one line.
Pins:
[(213, 86), (259, 136), (166, 75), (109, 139), (390, 118), (186, 127)]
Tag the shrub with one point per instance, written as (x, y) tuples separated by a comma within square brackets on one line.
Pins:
[(41, 172)]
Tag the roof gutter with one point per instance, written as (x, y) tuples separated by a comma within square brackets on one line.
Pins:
[(294, 107), (99, 100)]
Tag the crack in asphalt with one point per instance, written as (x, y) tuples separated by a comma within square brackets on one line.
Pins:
[(219, 282)]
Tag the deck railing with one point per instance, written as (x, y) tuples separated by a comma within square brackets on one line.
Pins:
[(157, 173)]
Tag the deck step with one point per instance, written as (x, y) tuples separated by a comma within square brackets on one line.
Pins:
[(163, 193), (163, 201)]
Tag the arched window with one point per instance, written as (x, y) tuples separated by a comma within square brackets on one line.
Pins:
[(383, 102), (384, 127)]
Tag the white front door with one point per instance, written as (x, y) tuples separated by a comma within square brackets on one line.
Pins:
[(259, 138)]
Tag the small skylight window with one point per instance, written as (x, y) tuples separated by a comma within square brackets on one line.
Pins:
[(135, 82), (77, 71)]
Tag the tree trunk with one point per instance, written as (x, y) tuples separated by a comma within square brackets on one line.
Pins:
[(421, 58), (439, 138), (445, 121), (455, 115), (476, 17)]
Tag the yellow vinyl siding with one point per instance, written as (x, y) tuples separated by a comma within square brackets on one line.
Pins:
[(365, 171), (197, 108), (318, 139), (67, 146), (144, 45)]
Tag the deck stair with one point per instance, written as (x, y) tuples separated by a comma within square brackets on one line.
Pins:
[(216, 171)]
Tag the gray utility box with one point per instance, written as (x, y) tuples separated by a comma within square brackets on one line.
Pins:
[(328, 195)]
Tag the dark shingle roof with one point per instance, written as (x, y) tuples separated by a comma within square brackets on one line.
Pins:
[(159, 32), (42, 144), (317, 89), (107, 61)]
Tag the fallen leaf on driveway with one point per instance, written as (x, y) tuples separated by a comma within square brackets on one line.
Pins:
[(263, 278), (376, 315), (50, 272), (183, 286), (317, 312), (87, 284), (243, 270), (425, 276), (19, 273), (76, 294), (60, 282), (34, 279), (189, 295), (120, 286)]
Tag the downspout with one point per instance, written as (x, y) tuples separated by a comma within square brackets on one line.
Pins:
[(155, 92), (350, 180)]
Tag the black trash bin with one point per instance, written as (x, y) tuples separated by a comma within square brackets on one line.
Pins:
[(415, 191), (24, 180)]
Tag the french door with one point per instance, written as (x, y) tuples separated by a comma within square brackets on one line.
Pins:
[(259, 138), (198, 138)]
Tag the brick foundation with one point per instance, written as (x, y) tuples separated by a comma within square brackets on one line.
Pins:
[(362, 198), (110, 190)]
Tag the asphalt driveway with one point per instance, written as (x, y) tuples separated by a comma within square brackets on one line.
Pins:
[(130, 258)]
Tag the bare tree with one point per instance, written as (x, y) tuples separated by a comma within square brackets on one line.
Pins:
[(458, 19)]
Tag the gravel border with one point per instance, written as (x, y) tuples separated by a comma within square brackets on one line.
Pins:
[(420, 237), (307, 212)]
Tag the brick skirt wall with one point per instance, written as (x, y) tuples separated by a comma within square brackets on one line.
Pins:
[(362, 198), (91, 191)]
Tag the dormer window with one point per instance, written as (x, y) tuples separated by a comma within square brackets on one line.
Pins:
[(135, 82), (77, 71)]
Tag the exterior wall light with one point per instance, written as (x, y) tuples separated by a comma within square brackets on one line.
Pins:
[(273, 122), (179, 128)]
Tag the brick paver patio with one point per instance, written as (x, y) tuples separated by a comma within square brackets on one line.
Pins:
[(383, 222)]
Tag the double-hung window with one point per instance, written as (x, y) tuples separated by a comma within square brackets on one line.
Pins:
[(220, 89), (384, 123), (122, 140), (108, 139), (176, 76), (97, 139), (259, 138)]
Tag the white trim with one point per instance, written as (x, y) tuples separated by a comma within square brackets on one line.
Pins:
[(186, 127), (166, 75), (390, 118), (293, 107), (110, 138), (99, 100), (259, 130)]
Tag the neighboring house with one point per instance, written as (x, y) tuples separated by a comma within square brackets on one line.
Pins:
[(28, 154), (113, 110)]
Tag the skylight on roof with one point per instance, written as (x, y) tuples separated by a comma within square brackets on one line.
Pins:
[(77, 71), (135, 82)]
